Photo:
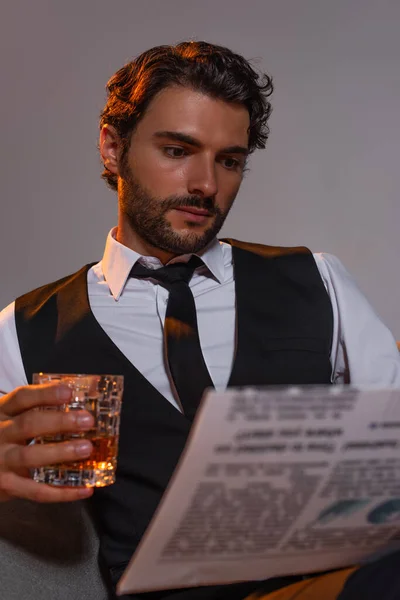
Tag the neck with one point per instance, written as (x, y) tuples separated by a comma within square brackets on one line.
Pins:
[(129, 238)]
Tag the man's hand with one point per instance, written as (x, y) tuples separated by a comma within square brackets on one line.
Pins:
[(20, 423)]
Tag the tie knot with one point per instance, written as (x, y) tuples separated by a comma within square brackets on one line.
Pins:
[(169, 275)]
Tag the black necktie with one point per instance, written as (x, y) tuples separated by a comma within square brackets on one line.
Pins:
[(181, 336)]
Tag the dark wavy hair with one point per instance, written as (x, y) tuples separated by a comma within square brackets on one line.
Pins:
[(213, 70)]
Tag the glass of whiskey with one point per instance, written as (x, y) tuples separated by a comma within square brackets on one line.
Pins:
[(101, 395)]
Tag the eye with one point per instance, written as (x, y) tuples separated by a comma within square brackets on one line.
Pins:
[(174, 151), (232, 164)]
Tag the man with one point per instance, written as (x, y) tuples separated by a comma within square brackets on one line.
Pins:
[(176, 132)]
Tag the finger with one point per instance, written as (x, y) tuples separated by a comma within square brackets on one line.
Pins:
[(36, 423), (31, 396), (18, 458), (15, 486)]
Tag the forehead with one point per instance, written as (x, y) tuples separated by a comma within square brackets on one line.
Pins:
[(212, 121)]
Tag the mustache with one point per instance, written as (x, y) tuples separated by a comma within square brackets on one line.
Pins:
[(191, 201)]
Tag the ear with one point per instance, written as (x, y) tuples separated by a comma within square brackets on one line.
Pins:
[(110, 148)]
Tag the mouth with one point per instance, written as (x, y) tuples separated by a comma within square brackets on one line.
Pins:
[(193, 214)]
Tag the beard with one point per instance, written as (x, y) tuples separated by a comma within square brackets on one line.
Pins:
[(147, 217)]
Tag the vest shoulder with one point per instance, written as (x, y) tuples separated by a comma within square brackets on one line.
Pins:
[(37, 297), (267, 251)]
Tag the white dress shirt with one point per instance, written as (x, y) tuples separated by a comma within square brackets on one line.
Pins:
[(132, 311)]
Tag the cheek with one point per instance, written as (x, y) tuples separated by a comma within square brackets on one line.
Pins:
[(161, 177)]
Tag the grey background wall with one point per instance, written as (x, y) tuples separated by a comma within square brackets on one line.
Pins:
[(329, 177)]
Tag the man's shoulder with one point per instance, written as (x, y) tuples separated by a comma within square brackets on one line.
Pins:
[(39, 295), (6, 318), (265, 250)]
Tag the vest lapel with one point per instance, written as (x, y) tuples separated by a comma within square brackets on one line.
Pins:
[(76, 321)]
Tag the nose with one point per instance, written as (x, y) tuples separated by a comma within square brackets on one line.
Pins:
[(203, 179)]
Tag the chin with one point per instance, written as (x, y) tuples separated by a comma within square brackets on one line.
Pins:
[(188, 237), (186, 241)]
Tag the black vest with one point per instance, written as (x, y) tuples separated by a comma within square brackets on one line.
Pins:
[(284, 327)]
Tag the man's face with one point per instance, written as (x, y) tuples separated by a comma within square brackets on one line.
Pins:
[(183, 169)]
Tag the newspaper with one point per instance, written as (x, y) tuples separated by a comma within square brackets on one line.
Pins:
[(276, 481)]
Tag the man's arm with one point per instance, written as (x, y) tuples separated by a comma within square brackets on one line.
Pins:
[(12, 372), (363, 349)]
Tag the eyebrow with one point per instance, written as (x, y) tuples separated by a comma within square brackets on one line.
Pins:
[(188, 139)]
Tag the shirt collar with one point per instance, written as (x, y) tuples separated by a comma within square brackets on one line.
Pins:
[(118, 261)]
